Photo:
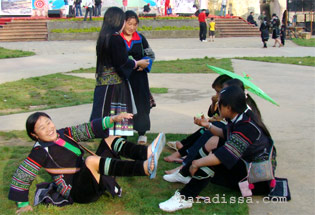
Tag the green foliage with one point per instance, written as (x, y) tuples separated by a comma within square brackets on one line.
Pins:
[(305, 61), (44, 92), (76, 30), (158, 90), (168, 28), (8, 53), (141, 18), (304, 42), (140, 195)]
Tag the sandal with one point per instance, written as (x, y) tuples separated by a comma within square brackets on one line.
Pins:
[(157, 147), (172, 145), (142, 140)]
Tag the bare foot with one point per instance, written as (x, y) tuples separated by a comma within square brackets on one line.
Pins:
[(145, 166), (173, 157), (173, 170)]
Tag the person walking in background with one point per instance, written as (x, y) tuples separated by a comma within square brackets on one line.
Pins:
[(275, 23), (212, 30), (98, 7), (89, 4), (223, 8), (138, 48), (283, 33), (71, 9), (250, 19), (264, 29), (203, 26), (78, 7)]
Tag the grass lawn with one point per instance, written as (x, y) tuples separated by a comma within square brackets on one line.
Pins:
[(304, 42), (305, 61), (8, 53), (49, 91), (194, 65), (140, 195), (59, 90)]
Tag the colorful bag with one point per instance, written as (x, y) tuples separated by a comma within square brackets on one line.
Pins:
[(261, 171)]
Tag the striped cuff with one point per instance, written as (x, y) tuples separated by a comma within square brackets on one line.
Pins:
[(22, 204), (106, 123), (118, 144), (107, 165)]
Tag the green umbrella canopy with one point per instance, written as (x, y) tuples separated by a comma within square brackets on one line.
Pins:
[(250, 86)]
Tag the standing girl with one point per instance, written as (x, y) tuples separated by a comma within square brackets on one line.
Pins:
[(138, 48), (112, 94), (275, 23), (264, 29)]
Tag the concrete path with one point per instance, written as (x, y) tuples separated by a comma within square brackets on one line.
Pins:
[(292, 125), (64, 56)]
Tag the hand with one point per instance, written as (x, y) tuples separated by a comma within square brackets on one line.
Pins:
[(120, 117), (140, 69), (214, 99), (24, 209), (143, 63), (193, 169), (202, 121)]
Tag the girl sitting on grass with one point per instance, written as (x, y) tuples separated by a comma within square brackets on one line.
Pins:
[(246, 138)]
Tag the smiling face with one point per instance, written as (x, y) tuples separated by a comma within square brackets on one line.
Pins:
[(130, 27), (45, 130)]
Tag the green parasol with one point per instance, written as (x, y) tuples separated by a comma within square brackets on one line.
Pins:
[(250, 86)]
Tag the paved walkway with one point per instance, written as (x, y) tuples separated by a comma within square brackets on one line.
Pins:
[(292, 125)]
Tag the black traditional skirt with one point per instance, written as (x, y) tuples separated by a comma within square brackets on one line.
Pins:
[(112, 97)]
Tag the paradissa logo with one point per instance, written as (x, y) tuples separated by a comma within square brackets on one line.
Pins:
[(217, 199)]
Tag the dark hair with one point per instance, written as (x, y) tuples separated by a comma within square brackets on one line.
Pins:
[(249, 100), (130, 14), (234, 97), (220, 80), (31, 121), (212, 18), (113, 22)]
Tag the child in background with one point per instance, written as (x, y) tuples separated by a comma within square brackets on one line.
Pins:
[(212, 30)]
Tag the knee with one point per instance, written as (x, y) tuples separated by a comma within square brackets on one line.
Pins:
[(92, 162), (212, 143)]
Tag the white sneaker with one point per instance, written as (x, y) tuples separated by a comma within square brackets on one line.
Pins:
[(204, 41), (175, 203), (177, 177)]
